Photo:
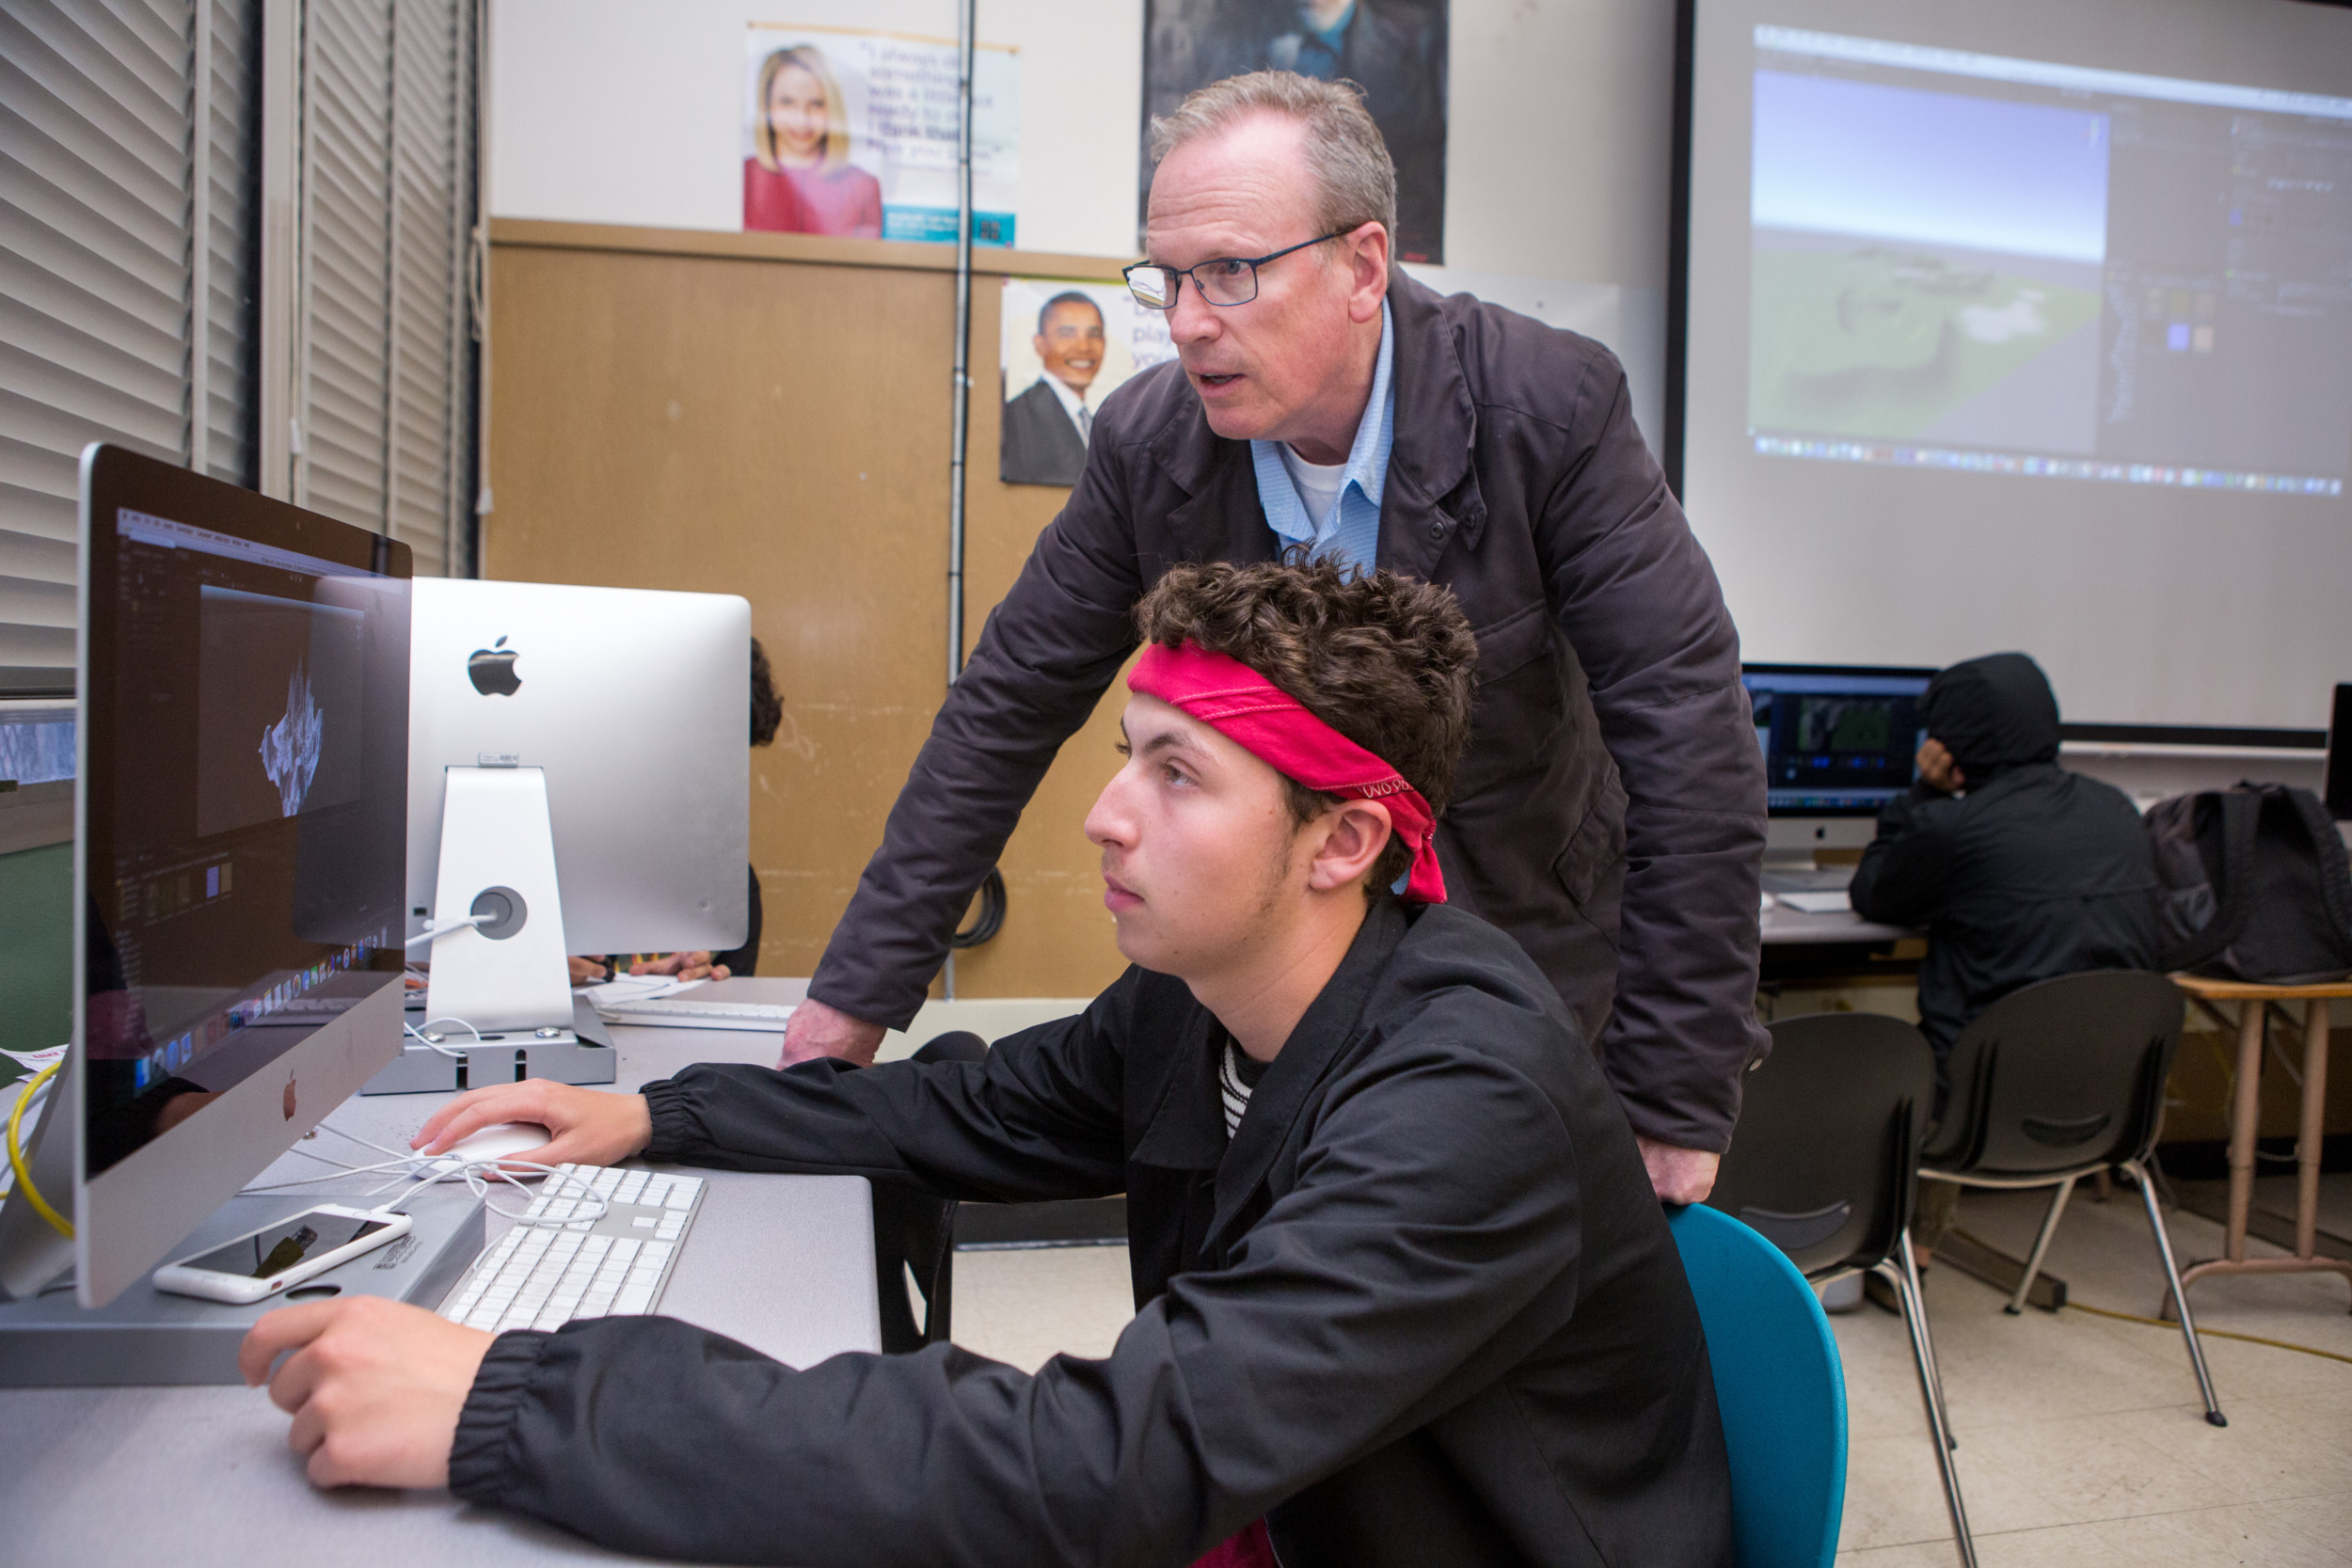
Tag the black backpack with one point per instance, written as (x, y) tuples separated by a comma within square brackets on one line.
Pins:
[(2256, 885)]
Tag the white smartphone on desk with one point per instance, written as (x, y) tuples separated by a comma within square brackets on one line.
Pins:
[(260, 1263)]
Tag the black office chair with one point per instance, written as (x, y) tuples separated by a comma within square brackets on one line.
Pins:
[(914, 1235), (2058, 1081), (1822, 1164)]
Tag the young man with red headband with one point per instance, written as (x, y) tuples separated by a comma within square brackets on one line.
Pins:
[(1404, 1293)]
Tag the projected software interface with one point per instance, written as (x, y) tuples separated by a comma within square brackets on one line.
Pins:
[(1836, 743), (1990, 263), (246, 877)]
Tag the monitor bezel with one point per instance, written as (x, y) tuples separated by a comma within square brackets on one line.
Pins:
[(129, 1216), (1863, 672)]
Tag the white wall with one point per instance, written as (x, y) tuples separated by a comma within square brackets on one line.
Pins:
[(625, 111)]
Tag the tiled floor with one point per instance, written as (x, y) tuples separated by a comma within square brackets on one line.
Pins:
[(2082, 1442)]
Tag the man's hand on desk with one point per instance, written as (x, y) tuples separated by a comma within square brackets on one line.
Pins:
[(1679, 1174), (585, 1127), (374, 1388), (817, 1030)]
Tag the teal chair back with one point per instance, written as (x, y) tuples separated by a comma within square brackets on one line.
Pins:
[(1780, 1386)]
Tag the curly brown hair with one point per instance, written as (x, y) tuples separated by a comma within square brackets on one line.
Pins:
[(767, 707), (1383, 660)]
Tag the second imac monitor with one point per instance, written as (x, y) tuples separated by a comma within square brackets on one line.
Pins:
[(633, 706), (1838, 742)]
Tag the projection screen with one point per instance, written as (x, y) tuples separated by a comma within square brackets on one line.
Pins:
[(2029, 326)]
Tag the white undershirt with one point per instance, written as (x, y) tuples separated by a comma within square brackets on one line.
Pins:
[(1318, 486)]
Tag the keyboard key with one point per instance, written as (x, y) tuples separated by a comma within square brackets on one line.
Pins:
[(604, 1246)]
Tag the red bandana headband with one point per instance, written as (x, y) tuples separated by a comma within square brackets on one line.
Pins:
[(1269, 722)]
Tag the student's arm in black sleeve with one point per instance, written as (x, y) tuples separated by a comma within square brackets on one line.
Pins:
[(1906, 873), (1352, 1315), (1040, 1117)]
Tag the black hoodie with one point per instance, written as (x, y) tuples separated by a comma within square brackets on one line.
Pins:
[(2029, 872)]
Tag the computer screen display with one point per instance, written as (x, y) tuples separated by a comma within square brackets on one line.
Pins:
[(1837, 741), (2027, 309), (246, 804)]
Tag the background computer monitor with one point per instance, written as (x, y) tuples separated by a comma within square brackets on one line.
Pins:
[(1838, 741), (637, 705), (243, 688), (2338, 784)]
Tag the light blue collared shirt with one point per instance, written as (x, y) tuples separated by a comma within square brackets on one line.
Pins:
[(1352, 532)]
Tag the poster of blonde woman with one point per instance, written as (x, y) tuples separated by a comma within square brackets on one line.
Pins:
[(855, 132), (1066, 347)]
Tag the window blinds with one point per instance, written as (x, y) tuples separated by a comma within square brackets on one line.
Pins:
[(114, 325), (130, 158), (386, 202)]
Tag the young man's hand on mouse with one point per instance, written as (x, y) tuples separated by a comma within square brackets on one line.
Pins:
[(376, 1388), (584, 1127)]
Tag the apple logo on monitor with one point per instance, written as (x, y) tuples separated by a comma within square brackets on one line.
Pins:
[(492, 670)]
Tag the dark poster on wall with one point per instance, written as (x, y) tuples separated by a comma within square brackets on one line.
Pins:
[(1395, 50)]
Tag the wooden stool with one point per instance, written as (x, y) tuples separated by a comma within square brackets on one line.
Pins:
[(2253, 1005)]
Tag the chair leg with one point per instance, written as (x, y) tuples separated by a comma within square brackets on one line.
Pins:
[(1906, 1261), (2180, 1296), (1905, 1279), (2041, 1245)]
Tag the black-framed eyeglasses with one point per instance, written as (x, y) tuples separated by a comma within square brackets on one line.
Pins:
[(1227, 280)]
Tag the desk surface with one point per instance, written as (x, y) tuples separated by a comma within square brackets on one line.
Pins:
[(2247, 990), (136, 1476), (1782, 924)]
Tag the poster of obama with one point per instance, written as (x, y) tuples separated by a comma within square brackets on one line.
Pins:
[(1066, 347)]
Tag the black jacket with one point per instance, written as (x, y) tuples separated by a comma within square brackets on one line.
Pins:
[(1040, 443), (1423, 1310), (2033, 871), (1604, 654)]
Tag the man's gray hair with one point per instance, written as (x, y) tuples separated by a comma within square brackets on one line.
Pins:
[(1354, 176)]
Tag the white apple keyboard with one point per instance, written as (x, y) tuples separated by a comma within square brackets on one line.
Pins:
[(547, 1274), (692, 1012)]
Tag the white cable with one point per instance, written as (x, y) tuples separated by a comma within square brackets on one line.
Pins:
[(443, 927), (473, 1171), (432, 1044)]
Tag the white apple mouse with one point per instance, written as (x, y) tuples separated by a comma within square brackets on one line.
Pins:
[(487, 1142)]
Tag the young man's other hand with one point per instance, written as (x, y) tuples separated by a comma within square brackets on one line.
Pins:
[(374, 1386)]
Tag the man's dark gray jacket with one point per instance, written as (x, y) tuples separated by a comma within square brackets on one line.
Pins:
[(1608, 727), (1423, 1309)]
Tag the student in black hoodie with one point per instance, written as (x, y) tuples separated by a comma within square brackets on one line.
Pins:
[(2020, 870)]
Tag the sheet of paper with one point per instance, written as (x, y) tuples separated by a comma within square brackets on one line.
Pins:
[(636, 988), (1817, 903)]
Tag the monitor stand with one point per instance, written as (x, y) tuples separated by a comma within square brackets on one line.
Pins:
[(499, 1007), (151, 1336)]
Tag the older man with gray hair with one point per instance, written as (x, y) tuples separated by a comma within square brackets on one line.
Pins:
[(1610, 812)]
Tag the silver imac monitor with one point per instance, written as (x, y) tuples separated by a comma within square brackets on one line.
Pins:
[(239, 803), (635, 706), (1840, 742)]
